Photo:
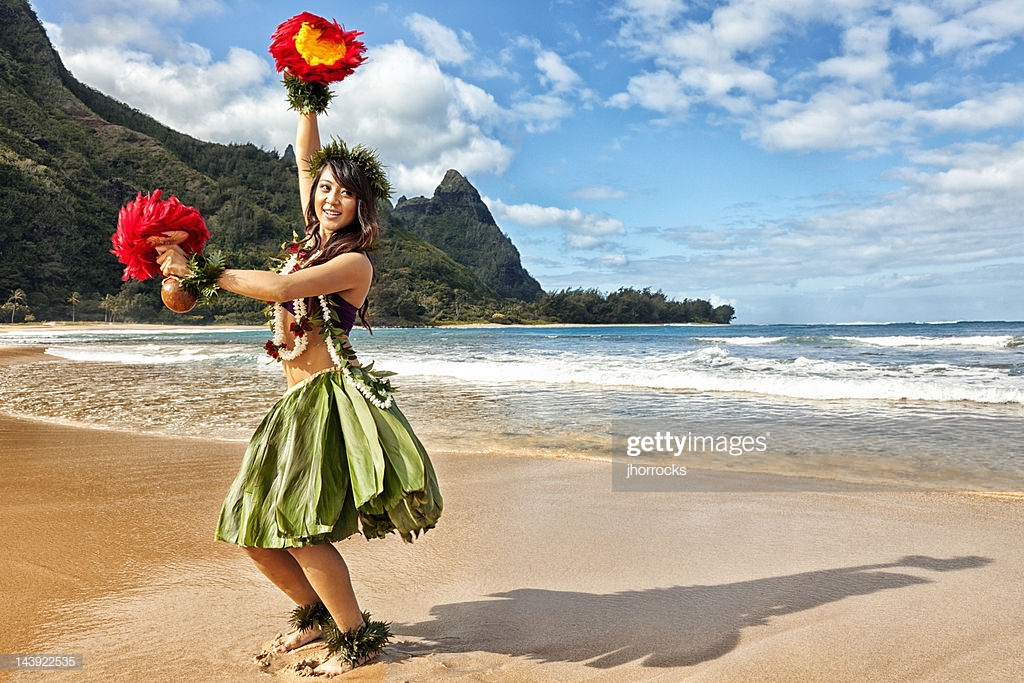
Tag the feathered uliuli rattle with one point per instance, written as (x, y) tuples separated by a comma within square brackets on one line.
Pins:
[(313, 52), (149, 222)]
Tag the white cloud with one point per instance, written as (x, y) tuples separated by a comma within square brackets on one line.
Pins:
[(555, 73), (423, 120), (716, 300), (965, 27), (981, 171), (958, 205), (227, 101), (660, 91), (541, 113), (746, 59), (121, 23), (563, 89), (440, 42), (599, 192), (614, 260), (655, 10), (866, 60), (581, 230), (1003, 107), (832, 119)]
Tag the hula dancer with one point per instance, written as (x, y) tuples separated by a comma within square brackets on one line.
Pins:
[(334, 456)]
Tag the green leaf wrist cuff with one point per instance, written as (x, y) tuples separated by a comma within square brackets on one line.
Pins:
[(202, 283)]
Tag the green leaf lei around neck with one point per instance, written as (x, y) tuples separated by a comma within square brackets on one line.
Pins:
[(374, 385)]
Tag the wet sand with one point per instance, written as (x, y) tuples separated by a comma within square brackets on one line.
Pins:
[(536, 572)]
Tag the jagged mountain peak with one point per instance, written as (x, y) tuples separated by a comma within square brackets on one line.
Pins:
[(456, 189), (457, 221)]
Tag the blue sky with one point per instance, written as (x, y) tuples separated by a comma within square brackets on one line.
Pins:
[(804, 161)]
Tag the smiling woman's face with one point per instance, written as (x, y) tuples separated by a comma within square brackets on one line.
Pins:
[(335, 205)]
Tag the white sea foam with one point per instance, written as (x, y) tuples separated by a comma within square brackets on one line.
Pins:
[(145, 354), (991, 341), (820, 391), (713, 369), (32, 335), (895, 341), (802, 365), (742, 341)]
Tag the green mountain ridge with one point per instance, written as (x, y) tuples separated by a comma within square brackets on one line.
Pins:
[(71, 157), (458, 222)]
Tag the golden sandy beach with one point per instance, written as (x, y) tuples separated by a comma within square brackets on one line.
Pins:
[(536, 572)]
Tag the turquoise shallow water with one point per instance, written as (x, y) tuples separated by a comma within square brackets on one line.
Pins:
[(929, 405)]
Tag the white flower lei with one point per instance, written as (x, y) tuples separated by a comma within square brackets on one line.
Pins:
[(367, 391), (326, 312), (298, 312), (300, 342), (360, 385)]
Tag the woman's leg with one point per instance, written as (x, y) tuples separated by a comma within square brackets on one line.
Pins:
[(327, 574), (285, 573)]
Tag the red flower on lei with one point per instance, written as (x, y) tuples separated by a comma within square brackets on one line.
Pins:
[(315, 50), (142, 224), (301, 328)]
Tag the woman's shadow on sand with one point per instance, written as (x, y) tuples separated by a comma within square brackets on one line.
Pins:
[(677, 626)]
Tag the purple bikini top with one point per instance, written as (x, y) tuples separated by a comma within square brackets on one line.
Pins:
[(345, 311)]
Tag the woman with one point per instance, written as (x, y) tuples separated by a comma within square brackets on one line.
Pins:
[(335, 455)]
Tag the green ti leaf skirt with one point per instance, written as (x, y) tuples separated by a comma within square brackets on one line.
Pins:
[(326, 463)]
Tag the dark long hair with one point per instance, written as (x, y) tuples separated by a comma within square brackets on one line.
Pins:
[(360, 235)]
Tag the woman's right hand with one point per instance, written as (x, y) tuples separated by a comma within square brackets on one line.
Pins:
[(172, 261)]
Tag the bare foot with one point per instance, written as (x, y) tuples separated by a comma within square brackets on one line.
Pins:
[(337, 665), (294, 639)]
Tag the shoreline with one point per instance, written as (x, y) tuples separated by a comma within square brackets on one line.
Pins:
[(538, 571), (114, 327), (113, 558), (808, 478), (94, 325)]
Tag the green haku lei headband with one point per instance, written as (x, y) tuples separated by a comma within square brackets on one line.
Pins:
[(363, 157)]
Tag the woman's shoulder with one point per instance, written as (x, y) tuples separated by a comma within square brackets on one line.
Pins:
[(353, 262), (351, 256)]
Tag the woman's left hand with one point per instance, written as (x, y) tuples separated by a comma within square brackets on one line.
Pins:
[(172, 261)]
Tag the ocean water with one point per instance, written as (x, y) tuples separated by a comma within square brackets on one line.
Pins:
[(922, 405)]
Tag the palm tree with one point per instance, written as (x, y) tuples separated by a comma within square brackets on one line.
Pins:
[(15, 301), (74, 300), (108, 304)]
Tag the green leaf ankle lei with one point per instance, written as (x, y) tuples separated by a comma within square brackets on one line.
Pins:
[(360, 644), (313, 615), (202, 283), (355, 646)]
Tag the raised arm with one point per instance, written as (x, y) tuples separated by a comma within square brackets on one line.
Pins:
[(350, 274), (307, 141)]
